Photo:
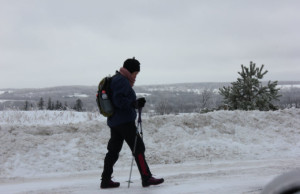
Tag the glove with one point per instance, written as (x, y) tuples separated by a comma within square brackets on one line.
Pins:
[(139, 103)]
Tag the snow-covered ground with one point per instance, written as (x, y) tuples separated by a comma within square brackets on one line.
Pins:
[(218, 152)]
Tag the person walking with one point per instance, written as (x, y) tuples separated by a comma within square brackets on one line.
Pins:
[(122, 126)]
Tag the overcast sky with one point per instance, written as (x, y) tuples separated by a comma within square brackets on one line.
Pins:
[(45, 43)]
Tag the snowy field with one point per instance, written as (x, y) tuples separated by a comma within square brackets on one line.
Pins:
[(218, 152)]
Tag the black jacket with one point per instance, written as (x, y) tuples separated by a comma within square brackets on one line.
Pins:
[(123, 98)]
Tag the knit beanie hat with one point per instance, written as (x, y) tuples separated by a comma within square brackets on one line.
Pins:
[(132, 65)]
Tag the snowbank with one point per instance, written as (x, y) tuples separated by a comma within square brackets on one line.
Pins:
[(41, 143)]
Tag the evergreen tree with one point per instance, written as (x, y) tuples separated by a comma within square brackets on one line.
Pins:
[(78, 105), (26, 106), (248, 93), (58, 105), (49, 107), (41, 104), (65, 106)]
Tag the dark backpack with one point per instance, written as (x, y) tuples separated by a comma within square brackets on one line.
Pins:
[(103, 97)]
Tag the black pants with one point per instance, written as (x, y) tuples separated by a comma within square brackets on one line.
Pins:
[(127, 132)]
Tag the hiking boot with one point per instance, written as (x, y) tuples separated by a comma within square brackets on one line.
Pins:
[(105, 184), (152, 181)]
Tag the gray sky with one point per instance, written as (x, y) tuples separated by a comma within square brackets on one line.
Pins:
[(46, 43)]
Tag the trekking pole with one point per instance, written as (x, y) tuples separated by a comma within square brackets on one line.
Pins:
[(140, 122), (135, 140)]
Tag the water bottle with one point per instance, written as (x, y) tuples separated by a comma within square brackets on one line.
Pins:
[(104, 95)]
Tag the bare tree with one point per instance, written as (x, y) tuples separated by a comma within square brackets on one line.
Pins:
[(205, 98), (163, 107), (290, 98)]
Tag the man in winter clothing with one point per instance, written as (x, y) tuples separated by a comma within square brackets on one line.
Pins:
[(122, 125)]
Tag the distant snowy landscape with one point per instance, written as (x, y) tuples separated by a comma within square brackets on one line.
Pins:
[(216, 152), (175, 98)]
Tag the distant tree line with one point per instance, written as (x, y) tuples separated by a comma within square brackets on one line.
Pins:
[(247, 93), (182, 102), (171, 102), (51, 105), (290, 98)]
